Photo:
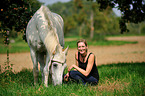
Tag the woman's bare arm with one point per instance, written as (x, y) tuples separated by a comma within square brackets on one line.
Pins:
[(88, 68)]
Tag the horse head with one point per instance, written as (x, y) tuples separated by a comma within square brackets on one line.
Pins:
[(58, 65)]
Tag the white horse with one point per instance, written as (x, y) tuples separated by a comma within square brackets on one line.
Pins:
[(45, 36)]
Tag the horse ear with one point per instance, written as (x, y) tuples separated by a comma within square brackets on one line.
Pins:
[(58, 49), (66, 50)]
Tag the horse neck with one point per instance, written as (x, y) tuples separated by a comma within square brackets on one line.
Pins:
[(51, 41)]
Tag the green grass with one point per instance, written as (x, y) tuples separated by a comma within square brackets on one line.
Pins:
[(115, 79), (72, 44), (125, 34), (21, 46), (16, 47)]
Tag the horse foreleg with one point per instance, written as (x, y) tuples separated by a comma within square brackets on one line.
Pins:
[(46, 69), (35, 66), (41, 62)]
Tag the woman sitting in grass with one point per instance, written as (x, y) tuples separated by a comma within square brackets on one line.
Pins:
[(85, 69)]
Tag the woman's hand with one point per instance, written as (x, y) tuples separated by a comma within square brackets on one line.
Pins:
[(66, 77)]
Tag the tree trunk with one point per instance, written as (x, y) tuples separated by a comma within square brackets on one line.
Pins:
[(92, 25), (81, 29)]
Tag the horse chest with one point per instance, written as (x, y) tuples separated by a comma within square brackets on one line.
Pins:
[(36, 44)]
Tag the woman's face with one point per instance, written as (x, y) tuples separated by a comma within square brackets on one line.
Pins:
[(82, 48)]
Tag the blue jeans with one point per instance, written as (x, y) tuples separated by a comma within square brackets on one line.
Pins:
[(77, 76)]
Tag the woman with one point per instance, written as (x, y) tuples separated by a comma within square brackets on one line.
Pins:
[(85, 69)]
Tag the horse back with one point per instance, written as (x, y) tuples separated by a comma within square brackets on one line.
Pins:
[(42, 23)]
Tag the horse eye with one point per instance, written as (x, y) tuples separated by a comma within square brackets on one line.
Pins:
[(55, 65)]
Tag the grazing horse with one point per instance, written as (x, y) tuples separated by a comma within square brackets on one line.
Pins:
[(45, 37)]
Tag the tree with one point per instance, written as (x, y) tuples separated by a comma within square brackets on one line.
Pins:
[(78, 19), (79, 14), (132, 10), (65, 10), (92, 11), (15, 14)]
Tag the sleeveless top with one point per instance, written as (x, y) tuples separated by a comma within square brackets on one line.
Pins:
[(83, 65)]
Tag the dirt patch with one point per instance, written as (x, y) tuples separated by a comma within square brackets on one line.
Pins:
[(104, 54), (111, 86)]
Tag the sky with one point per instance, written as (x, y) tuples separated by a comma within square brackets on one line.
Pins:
[(46, 2), (52, 1), (117, 12)]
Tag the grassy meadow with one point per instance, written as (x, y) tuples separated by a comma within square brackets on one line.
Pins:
[(125, 79), (115, 79)]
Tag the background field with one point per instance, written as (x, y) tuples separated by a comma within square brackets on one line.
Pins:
[(124, 78), (120, 60), (19, 45)]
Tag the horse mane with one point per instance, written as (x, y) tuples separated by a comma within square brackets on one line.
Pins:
[(51, 40)]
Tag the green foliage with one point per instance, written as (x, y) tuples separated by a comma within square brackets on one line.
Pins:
[(15, 16), (115, 79), (143, 29), (77, 22), (17, 13), (132, 10)]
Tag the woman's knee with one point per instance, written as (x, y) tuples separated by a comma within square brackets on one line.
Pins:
[(72, 73)]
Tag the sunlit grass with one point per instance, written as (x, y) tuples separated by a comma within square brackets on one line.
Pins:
[(72, 44), (21, 46), (115, 79)]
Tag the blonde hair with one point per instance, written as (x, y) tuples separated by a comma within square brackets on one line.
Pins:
[(82, 40)]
